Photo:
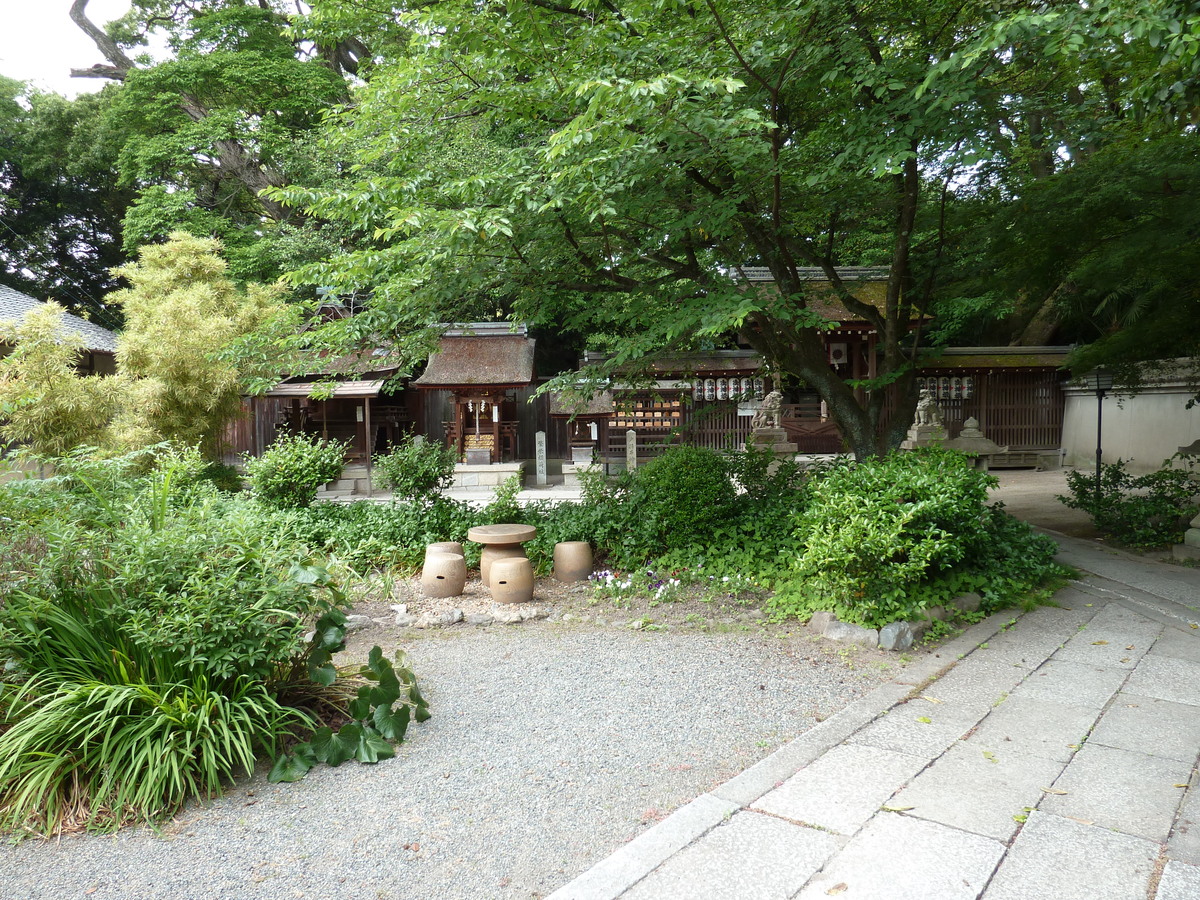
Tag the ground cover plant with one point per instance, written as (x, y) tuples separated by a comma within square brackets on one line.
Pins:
[(415, 469), (1143, 511), (887, 538), (153, 646)]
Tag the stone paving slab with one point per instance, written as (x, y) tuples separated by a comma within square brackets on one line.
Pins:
[(1057, 858), (751, 857), (978, 790), (1179, 881), (1072, 683), (914, 727), (970, 690), (1027, 648), (843, 789), (1148, 725), (1073, 607), (1133, 793), (1116, 637), (1184, 842), (769, 773), (1178, 645), (1034, 727), (612, 876), (1166, 678), (937, 863)]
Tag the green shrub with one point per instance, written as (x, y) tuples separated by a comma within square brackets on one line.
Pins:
[(1145, 511), (679, 497), (886, 538), (415, 469), (291, 470), (152, 660)]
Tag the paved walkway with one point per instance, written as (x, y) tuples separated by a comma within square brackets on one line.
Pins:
[(1050, 755)]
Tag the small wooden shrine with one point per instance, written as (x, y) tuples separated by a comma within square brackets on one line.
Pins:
[(482, 365)]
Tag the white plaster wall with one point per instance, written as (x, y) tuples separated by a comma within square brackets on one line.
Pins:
[(1143, 430)]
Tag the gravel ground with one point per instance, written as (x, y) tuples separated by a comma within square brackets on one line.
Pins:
[(551, 744)]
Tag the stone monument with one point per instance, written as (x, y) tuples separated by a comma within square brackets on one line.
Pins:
[(1190, 548), (971, 440), (927, 429)]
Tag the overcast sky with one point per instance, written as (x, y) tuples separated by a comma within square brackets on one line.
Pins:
[(40, 43)]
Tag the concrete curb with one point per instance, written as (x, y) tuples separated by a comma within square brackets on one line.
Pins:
[(611, 877)]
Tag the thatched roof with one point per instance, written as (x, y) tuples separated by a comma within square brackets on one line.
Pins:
[(473, 360), (341, 389), (572, 405), (997, 358)]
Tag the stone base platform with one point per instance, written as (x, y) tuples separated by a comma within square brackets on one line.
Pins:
[(492, 476)]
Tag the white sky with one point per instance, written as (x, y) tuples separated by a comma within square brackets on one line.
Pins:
[(40, 43)]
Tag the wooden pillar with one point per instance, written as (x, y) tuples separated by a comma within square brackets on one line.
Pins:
[(460, 422), (370, 441)]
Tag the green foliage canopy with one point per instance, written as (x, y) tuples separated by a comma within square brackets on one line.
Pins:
[(629, 159)]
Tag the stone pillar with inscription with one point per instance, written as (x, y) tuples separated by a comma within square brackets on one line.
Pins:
[(630, 450), (542, 475)]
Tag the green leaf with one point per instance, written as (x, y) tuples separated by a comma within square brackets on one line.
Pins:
[(288, 768), (360, 706), (334, 748), (372, 747), (392, 723)]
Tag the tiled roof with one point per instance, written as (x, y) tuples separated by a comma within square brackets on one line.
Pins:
[(14, 305)]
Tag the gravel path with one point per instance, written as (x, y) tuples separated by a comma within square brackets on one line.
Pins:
[(550, 745)]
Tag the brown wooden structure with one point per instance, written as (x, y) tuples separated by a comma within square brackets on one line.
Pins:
[(482, 366), (1016, 393)]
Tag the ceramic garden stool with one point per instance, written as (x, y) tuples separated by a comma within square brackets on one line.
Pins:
[(444, 574), (512, 580), (445, 547), (500, 542), (572, 561)]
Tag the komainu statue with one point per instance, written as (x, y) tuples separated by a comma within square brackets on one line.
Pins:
[(770, 412)]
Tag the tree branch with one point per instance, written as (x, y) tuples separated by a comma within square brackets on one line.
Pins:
[(121, 64)]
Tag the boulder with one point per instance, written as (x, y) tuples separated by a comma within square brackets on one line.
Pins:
[(852, 634), (896, 636)]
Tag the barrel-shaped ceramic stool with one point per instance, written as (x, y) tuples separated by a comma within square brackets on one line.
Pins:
[(572, 561), (494, 552), (444, 575), (512, 580), (445, 546)]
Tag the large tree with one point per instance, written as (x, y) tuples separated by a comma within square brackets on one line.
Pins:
[(60, 202), (626, 160), (232, 110)]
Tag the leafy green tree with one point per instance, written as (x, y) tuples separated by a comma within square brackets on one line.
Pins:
[(230, 113), (181, 311), (44, 402), (628, 159), (60, 204)]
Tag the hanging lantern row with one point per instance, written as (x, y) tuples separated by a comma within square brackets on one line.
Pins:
[(728, 389), (949, 387)]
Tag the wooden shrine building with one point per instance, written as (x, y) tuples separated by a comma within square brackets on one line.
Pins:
[(482, 366)]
